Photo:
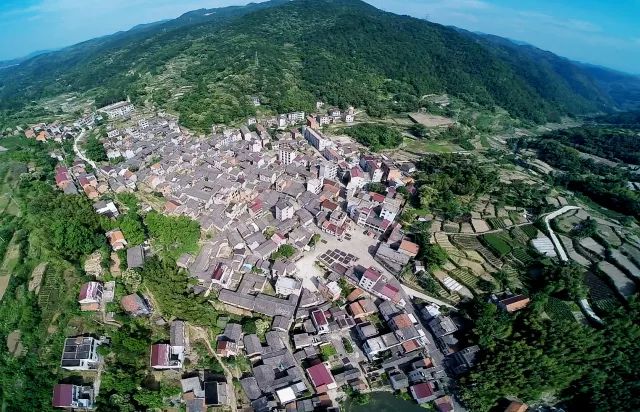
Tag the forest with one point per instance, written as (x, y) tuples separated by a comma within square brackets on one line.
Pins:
[(584, 368), (375, 136), (290, 54)]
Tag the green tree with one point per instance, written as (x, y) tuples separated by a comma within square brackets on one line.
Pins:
[(173, 235), (95, 150)]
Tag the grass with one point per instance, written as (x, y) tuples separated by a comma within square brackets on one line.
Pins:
[(328, 351), (423, 145)]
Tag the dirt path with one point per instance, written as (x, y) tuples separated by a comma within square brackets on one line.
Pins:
[(198, 333)]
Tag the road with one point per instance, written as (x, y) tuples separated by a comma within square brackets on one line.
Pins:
[(200, 334), (561, 252), (417, 294), (81, 155)]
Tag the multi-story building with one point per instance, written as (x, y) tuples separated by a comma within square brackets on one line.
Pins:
[(369, 278), (116, 110), (66, 395), (284, 210), (328, 170), (286, 155), (316, 139), (80, 354)]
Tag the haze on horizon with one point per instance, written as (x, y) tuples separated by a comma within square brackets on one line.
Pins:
[(589, 31)]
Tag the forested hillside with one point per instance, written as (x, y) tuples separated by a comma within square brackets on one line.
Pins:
[(289, 54)]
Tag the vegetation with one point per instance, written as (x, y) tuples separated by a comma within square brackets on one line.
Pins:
[(170, 288), (173, 235), (95, 150), (375, 136), (449, 184), (327, 351), (284, 252), (357, 57)]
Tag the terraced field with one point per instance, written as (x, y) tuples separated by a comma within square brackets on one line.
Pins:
[(559, 310), (498, 243), (465, 277), (530, 230), (496, 223), (601, 296), (472, 242)]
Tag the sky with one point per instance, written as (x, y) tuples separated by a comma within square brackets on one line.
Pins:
[(594, 31)]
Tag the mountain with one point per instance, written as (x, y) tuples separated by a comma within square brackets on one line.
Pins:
[(291, 53)]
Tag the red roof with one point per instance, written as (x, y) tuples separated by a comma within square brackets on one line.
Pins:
[(389, 291), (319, 375), (377, 197), (319, 317), (444, 404), (422, 390), (357, 172), (83, 291), (159, 354), (217, 274), (62, 395), (372, 274), (411, 345)]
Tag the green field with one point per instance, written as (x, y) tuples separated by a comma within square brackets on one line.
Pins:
[(559, 310), (428, 146), (498, 243)]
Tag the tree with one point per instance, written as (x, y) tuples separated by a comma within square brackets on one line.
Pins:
[(284, 252), (173, 235), (434, 256), (95, 150), (132, 228), (568, 279), (377, 188), (587, 228)]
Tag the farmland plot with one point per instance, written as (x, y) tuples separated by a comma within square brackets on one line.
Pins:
[(592, 246), (626, 263), (625, 286)]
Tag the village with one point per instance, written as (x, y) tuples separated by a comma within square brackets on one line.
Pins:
[(292, 235)]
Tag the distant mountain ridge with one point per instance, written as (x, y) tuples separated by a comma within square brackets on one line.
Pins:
[(291, 53)]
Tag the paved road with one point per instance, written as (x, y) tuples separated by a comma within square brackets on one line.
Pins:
[(561, 252), (417, 294)]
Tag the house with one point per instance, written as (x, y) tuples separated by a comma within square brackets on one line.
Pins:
[(90, 296), (135, 305), (198, 393), (517, 406), (116, 239), (423, 392), (398, 380), (178, 337), (284, 210), (230, 341), (108, 209), (80, 354), (442, 326), (135, 257), (445, 404), (320, 321), (331, 291), (369, 278), (408, 248), (321, 378), (287, 286), (221, 275), (164, 357), (465, 359), (67, 396), (514, 303)]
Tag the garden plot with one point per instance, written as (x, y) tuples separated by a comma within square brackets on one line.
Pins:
[(443, 241), (475, 267), (623, 284), (600, 293), (567, 222), (571, 251), (450, 227), (466, 228), (609, 236), (530, 230), (631, 251), (11, 258), (480, 226), (36, 277), (559, 310), (472, 243), (502, 212), (496, 223), (498, 243), (489, 211), (436, 226), (626, 263), (519, 235), (592, 246)]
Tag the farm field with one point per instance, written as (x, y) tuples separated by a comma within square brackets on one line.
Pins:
[(601, 295), (559, 310), (9, 262), (498, 243), (625, 286), (626, 263)]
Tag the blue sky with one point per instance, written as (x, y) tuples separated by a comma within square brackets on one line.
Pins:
[(594, 31)]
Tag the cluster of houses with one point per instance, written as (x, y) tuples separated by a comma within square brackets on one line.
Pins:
[(256, 191), (49, 132)]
